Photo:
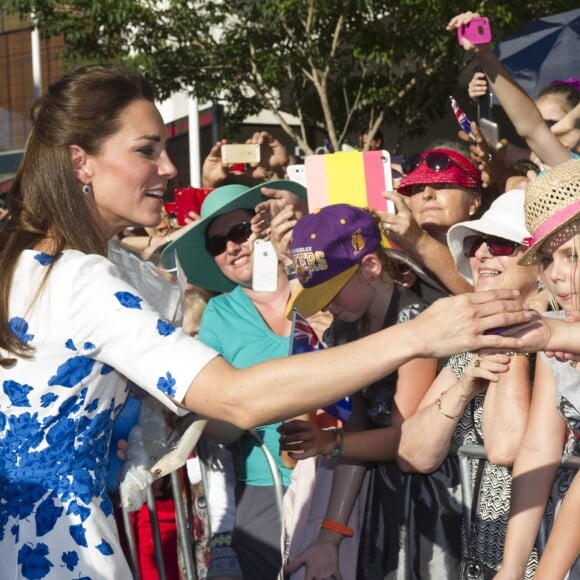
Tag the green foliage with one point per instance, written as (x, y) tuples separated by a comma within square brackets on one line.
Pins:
[(335, 64)]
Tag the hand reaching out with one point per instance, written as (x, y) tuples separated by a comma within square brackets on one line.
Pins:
[(572, 316), (304, 439), (280, 199)]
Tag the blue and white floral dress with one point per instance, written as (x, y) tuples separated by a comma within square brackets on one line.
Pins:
[(90, 332)]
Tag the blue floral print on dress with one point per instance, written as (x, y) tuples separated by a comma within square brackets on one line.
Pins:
[(72, 371), (48, 399), (46, 516), (19, 328), (34, 563), (129, 300), (164, 328), (17, 393), (166, 384), (105, 548), (47, 259), (70, 560)]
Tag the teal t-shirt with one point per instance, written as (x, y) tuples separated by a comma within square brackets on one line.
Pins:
[(231, 325)]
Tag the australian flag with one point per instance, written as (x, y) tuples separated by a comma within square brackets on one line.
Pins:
[(304, 339)]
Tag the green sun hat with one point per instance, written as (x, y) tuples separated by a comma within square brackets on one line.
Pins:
[(189, 242)]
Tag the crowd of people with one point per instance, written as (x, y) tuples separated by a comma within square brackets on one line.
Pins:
[(462, 331)]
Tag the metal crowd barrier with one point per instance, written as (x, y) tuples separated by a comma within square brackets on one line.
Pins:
[(186, 536)]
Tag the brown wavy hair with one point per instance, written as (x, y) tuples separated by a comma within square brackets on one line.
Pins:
[(45, 201)]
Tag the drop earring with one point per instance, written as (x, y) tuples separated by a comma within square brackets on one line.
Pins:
[(87, 189), (541, 285)]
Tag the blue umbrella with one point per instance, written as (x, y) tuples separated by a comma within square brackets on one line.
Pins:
[(548, 49)]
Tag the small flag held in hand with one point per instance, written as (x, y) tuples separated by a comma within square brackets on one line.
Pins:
[(304, 339), (462, 118)]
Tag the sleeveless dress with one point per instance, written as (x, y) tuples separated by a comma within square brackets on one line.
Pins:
[(491, 494)]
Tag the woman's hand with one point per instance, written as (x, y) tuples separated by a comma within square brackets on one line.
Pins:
[(280, 232), (273, 157), (477, 86), (461, 20), (320, 559), (304, 439), (492, 162), (400, 226), (214, 171), (280, 199), (481, 371)]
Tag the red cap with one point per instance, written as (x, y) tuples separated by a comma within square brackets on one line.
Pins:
[(441, 166)]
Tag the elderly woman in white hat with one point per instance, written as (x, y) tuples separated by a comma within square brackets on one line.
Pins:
[(480, 400)]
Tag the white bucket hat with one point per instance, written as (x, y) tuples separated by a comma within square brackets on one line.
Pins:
[(505, 219)]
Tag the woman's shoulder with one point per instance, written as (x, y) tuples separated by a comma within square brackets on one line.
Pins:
[(70, 264)]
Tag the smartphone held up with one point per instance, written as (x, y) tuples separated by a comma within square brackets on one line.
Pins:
[(240, 153), (478, 31), (264, 267)]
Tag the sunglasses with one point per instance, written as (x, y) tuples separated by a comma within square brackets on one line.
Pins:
[(496, 246), (434, 161), (238, 234)]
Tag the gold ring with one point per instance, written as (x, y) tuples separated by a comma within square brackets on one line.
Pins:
[(476, 363)]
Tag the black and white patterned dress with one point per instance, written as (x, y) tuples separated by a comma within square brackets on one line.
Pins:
[(489, 525)]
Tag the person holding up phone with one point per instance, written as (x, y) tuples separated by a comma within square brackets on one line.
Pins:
[(519, 107), (443, 187), (246, 325), (559, 106), (272, 164)]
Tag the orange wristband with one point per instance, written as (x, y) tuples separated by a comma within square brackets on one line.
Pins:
[(337, 527)]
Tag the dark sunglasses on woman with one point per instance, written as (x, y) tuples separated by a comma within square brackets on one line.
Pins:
[(238, 234), (434, 161), (496, 246)]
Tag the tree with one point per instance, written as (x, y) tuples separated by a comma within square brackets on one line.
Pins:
[(337, 65)]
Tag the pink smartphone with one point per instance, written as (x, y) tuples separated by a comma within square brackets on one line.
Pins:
[(478, 31)]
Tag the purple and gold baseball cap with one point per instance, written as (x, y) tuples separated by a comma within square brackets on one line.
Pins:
[(327, 248)]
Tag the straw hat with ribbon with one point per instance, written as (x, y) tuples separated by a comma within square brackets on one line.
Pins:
[(552, 208)]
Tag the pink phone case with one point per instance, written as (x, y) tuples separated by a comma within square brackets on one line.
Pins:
[(478, 31)]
